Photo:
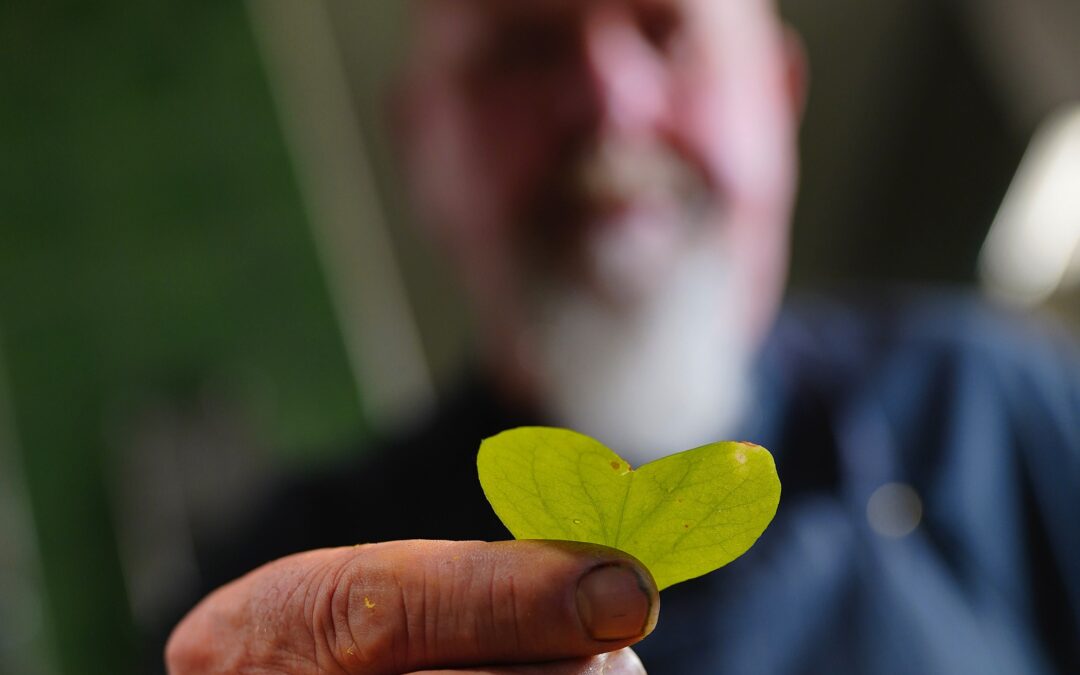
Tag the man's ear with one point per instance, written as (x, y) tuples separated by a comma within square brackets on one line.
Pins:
[(798, 71)]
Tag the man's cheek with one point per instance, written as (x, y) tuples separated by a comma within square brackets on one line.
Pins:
[(698, 132), (517, 174)]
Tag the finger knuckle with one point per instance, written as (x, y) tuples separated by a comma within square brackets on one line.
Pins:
[(450, 607), (504, 622), (355, 623), (452, 585)]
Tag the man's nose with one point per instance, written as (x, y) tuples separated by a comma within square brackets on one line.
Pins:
[(621, 86)]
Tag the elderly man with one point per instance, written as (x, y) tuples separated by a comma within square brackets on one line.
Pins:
[(613, 180)]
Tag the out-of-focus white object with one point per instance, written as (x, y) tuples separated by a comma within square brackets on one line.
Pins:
[(1033, 249), (894, 510)]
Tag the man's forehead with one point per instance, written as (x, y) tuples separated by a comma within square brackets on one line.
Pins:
[(496, 9), (532, 5), (478, 14), (443, 31)]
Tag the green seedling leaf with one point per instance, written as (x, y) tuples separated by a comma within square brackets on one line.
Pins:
[(682, 516)]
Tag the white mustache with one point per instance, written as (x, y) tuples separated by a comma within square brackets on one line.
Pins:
[(617, 171)]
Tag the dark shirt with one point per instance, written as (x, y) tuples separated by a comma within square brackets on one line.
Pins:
[(973, 410)]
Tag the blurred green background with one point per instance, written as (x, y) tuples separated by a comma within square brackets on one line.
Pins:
[(153, 240), (171, 338)]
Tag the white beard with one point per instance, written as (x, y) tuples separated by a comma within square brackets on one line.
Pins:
[(665, 373)]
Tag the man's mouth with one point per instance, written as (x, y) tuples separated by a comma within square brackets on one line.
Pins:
[(619, 176), (620, 213)]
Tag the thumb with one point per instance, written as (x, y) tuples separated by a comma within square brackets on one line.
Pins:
[(413, 605)]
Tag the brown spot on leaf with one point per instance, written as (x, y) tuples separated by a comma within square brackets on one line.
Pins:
[(616, 466)]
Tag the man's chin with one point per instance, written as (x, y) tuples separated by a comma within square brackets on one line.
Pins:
[(651, 374), (626, 255)]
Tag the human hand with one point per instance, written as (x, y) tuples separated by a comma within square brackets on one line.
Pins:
[(520, 607)]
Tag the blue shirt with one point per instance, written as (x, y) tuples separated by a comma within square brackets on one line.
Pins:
[(978, 418), (969, 418)]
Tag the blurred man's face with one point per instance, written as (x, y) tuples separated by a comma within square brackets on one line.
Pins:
[(605, 158)]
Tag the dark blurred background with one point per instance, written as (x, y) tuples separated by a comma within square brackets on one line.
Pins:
[(208, 275)]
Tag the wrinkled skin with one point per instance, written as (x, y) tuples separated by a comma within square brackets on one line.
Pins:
[(417, 606)]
